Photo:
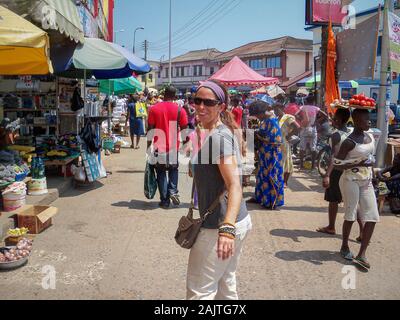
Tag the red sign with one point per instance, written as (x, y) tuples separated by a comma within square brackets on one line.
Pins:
[(324, 11)]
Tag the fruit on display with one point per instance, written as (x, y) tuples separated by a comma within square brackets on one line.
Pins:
[(340, 103), (18, 232), (56, 153), (360, 100), (22, 250)]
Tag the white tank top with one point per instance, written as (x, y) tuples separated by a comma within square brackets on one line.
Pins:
[(362, 150)]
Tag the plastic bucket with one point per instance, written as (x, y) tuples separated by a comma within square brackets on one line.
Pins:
[(13, 201), (37, 187)]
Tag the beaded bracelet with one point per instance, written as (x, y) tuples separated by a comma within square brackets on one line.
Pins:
[(227, 235), (228, 230), (227, 224)]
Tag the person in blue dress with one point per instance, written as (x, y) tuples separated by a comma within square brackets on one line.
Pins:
[(269, 191), (136, 126)]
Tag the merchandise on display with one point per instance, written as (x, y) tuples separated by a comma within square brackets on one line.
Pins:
[(37, 187), (10, 255), (14, 196)]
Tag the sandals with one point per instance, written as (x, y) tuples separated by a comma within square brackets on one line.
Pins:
[(362, 262), (347, 255), (326, 231)]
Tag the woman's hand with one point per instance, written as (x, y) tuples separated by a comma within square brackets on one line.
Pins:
[(226, 248), (326, 182)]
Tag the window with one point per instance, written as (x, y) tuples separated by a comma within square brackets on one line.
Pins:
[(257, 64), (182, 71), (274, 63), (198, 71), (211, 71), (159, 75), (143, 78), (166, 72), (151, 77)]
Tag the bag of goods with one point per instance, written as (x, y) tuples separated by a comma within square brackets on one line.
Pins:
[(14, 196), (17, 232), (38, 168)]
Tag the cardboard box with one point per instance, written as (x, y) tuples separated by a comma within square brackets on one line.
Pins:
[(35, 218)]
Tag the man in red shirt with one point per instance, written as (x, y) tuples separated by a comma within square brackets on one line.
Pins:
[(164, 135), (237, 111)]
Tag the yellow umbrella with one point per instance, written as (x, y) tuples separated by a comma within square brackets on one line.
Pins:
[(24, 48)]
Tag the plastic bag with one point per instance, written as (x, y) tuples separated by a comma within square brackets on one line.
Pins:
[(150, 181)]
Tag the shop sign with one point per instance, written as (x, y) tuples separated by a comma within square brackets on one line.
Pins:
[(26, 83), (89, 23), (394, 36), (321, 12)]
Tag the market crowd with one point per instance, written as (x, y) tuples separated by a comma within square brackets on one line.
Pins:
[(216, 129)]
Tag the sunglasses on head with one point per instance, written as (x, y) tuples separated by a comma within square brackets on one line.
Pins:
[(206, 102)]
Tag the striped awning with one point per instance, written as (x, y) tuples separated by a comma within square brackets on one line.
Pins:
[(61, 16)]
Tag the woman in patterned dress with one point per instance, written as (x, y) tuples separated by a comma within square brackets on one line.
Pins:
[(269, 186)]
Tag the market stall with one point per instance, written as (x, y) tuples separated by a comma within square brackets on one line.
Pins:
[(24, 48), (101, 60), (117, 87), (236, 73)]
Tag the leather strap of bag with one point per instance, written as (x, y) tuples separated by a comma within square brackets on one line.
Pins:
[(211, 209)]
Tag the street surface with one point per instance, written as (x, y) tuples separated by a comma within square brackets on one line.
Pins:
[(109, 242)]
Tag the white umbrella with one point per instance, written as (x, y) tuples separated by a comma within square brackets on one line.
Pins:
[(274, 91)]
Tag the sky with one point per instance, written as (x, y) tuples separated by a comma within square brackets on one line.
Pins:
[(202, 24)]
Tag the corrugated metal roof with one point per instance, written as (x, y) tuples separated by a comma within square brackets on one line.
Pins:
[(205, 54), (267, 47)]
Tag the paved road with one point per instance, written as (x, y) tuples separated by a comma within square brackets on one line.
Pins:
[(111, 243)]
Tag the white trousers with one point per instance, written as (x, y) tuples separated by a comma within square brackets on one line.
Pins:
[(359, 194), (208, 277)]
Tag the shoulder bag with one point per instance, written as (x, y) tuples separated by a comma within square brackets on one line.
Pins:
[(189, 228)]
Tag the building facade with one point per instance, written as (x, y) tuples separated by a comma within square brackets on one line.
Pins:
[(150, 78), (97, 18), (189, 69), (283, 58)]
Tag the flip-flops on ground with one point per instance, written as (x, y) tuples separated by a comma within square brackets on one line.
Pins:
[(326, 231), (347, 255), (362, 262)]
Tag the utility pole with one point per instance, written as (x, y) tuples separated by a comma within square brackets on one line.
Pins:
[(385, 90), (170, 41), (146, 47), (324, 59)]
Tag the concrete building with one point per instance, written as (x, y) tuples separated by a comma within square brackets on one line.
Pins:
[(188, 69), (151, 77), (285, 58)]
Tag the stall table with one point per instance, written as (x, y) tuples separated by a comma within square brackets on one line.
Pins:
[(63, 163)]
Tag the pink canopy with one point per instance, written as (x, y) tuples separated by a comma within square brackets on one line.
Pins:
[(237, 73)]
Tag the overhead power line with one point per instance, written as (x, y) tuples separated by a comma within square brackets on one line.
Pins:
[(202, 26), (188, 23), (203, 22)]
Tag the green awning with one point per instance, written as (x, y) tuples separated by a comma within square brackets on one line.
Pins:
[(310, 82), (120, 86), (59, 15)]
